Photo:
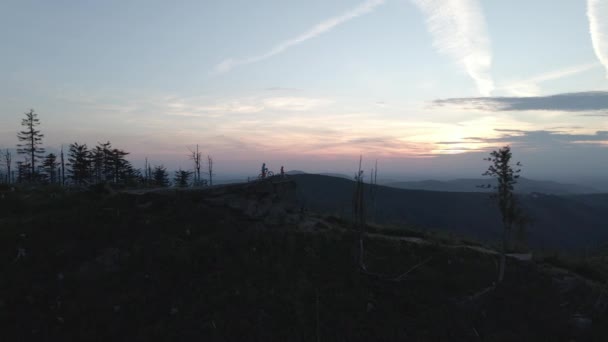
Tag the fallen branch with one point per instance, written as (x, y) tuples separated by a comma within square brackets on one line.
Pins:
[(482, 292), (400, 277)]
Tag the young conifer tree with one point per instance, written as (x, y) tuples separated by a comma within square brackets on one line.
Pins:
[(31, 141), (506, 177)]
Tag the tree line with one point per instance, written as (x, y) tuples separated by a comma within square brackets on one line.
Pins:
[(82, 165)]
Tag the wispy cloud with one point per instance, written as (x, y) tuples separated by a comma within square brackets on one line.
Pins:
[(591, 101), (537, 138), (199, 107), (459, 30), (597, 12), (530, 86), (320, 28)]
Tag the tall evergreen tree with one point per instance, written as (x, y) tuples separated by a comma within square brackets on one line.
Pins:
[(50, 166), (31, 140), (80, 163), (97, 163), (119, 167)]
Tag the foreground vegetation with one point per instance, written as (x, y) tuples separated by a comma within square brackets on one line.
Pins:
[(173, 265)]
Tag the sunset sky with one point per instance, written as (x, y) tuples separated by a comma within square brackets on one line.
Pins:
[(427, 87)]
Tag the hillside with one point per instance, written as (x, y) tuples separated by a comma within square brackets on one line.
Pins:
[(524, 185), (572, 222), (241, 262)]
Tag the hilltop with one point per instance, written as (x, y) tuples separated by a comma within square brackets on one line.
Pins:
[(247, 262)]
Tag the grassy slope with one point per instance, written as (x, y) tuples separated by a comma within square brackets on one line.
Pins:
[(172, 267)]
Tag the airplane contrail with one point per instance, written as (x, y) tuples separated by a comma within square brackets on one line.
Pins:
[(597, 13), (459, 30), (322, 27)]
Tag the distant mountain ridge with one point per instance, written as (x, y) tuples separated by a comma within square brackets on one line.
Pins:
[(559, 221), (330, 174), (524, 185)]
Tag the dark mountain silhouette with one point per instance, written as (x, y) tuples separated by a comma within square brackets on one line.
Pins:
[(524, 185), (330, 174), (339, 175), (559, 221)]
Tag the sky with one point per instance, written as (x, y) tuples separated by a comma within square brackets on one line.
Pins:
[(426, 87)]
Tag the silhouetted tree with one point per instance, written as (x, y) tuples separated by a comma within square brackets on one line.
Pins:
[(359, 212), (122, 170), (506, 177), (62, 168), (182, 178), (160, 176), (110, 165), (49, 165), (31, 141), (373, 190), (146, 176), (23, 171), (79, 160), (149, 171), (100, 161), (196, 156), (210, 169), (8, 161)]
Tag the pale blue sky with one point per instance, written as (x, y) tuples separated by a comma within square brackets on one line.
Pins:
[(310, 84)]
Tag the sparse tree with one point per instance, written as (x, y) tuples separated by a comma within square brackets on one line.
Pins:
[(49, 165), (160, 176), (31, 141), (182, 178), (500, 168)]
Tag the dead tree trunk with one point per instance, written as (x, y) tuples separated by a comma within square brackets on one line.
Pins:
[(210, 169), (359, 213)]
